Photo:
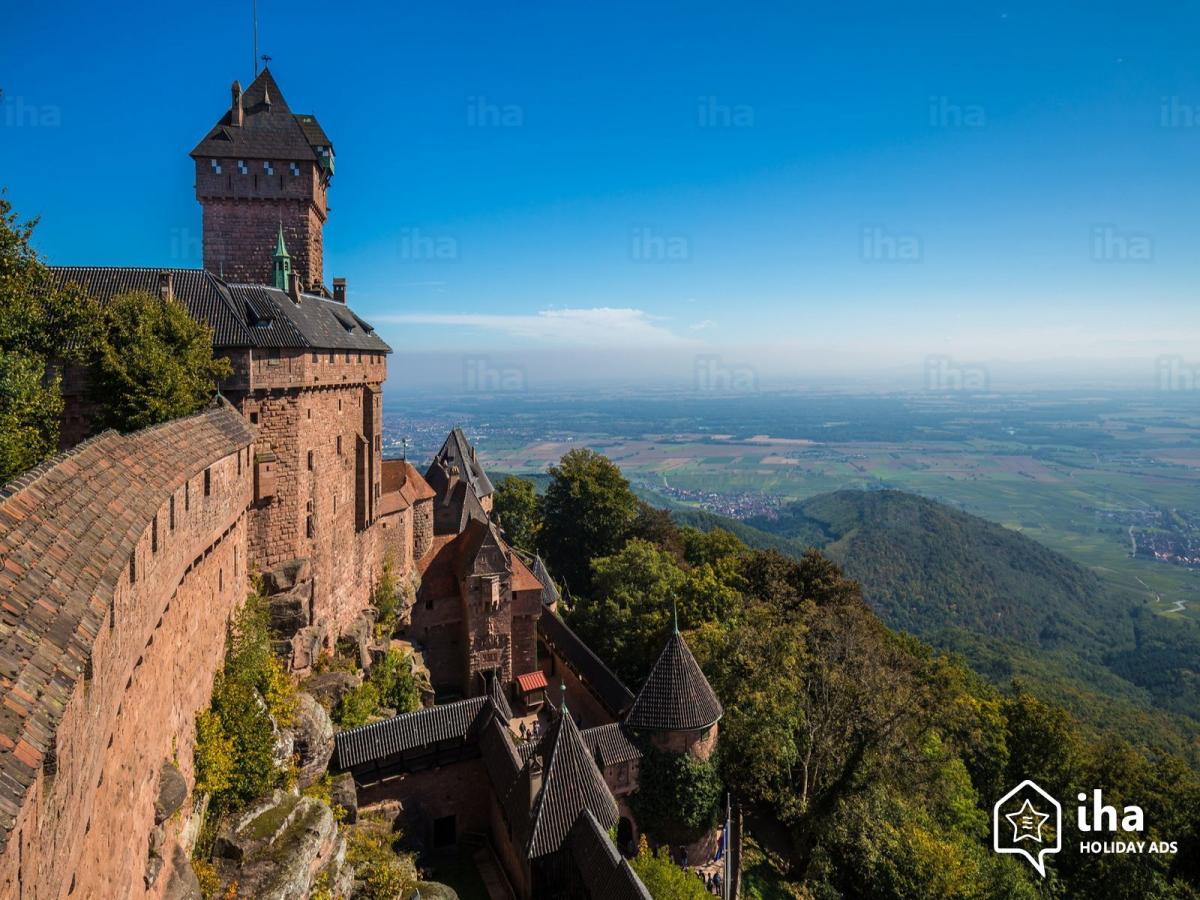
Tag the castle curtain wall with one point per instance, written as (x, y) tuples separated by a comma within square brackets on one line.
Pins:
[(171, 568)]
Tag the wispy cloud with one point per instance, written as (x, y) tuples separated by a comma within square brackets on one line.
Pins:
[(601, 326), (702, 325)]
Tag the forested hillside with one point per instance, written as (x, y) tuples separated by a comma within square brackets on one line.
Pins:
[(1012, 607), (869, 762)]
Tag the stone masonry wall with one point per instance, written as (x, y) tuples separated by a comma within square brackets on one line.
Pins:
[(84, 827), (314, 409), (240, 237)]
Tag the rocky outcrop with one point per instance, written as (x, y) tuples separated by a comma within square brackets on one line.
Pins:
[(172, 791), (286, 575), (182, 884), (312, 737), (278, 848), (345, 795), (330, 687)]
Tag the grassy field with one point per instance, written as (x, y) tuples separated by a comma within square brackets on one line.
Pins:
[(1060, 495)]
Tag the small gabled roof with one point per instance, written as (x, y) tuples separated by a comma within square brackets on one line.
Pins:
[(571, 784), (610, 744), (676, 696), (269, 129)]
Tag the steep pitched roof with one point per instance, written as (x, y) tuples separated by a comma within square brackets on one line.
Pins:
[(269, 129), (676, 696), (585, 663), (453, 507), (550, 594), (571, 784), (67, 529), (458, 453), (605, 875), (206, 296), (240, 315)]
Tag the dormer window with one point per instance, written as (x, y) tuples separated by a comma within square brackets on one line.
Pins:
[(216, 166)]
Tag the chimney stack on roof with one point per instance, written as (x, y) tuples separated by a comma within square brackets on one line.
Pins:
[(166, 285), (295, 288), (339, 290), (236, 113)]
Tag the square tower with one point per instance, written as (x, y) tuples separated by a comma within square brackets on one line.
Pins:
[(260, 169)]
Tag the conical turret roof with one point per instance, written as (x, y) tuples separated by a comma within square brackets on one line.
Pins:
[(676, 696)]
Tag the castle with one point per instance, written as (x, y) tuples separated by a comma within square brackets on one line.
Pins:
[(123, 559)]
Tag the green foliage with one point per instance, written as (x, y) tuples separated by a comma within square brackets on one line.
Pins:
[(39, 326), (515, 502), (155, 363), (393, 678), (385, 875), (386, 599), (235, 743), (30, 411), (664, 879), (358, 706), (587, 512), (678, 797)]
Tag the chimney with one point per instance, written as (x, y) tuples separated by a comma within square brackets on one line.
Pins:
[(235, 110), (166, 285), (294, 288), (339, 290), (535, 779)]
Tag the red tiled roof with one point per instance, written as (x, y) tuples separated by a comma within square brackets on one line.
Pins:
[(532, 681)]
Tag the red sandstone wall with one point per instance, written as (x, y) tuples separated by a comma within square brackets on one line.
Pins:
[(312, 401), (581, 701), (422, 528), (89, 825), (242, 215)]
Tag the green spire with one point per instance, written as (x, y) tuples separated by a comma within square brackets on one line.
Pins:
[(562, 684), (675, 613), (283, 263)]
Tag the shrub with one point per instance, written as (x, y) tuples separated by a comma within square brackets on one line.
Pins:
[(384, 874), (393, 678), (665, 880), (358, 706)]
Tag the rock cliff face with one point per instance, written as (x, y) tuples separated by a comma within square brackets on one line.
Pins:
[(312, 739), (277, 849)]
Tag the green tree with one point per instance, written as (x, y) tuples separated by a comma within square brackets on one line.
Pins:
[(627, 616), (663, 878), (587, 512), (30, 412), (41, 326), (393, 677), (515, 502), (155, 363)]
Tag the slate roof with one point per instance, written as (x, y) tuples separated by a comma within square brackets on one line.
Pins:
[(240, 315), (604, 873), (610, 744), (268, 131), (447, 721), (586, 664), (676, 696), (457, 452), (67, 529), (571, 783), (454, 508)]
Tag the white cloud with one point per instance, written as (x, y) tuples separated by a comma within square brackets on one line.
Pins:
[(702, 325), (599, 326)]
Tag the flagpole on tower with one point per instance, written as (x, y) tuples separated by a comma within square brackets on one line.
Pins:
[(254, 9)]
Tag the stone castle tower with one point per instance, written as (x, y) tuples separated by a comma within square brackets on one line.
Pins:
[(260, 170)]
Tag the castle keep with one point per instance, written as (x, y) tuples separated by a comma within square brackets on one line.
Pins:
[(123, 559)]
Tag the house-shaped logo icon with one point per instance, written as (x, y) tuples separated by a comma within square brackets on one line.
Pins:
[(1027, 821)]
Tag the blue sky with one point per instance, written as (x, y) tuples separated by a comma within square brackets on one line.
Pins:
[(805, 190)]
